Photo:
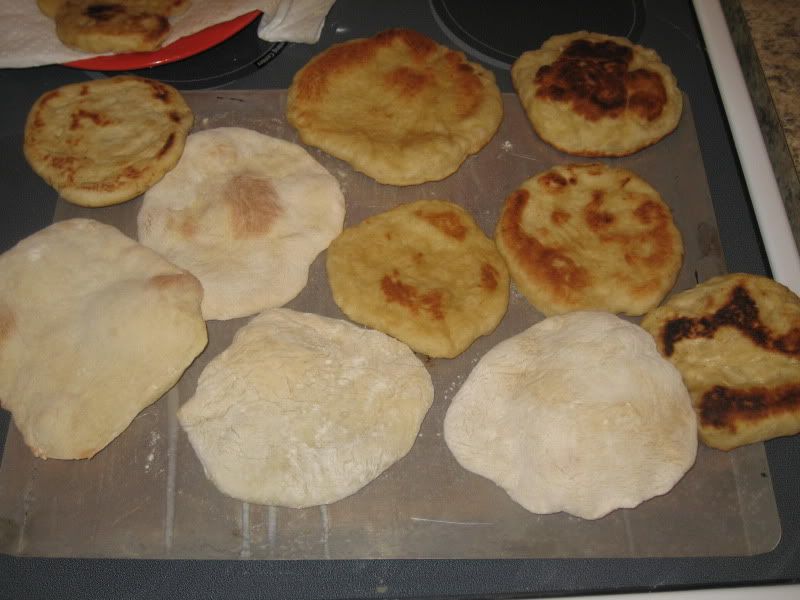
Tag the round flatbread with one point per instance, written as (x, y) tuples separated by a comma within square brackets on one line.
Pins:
[(398, 106), (106, 141), (736, 341), (579, 413), (589, 237), (101, 27), (247, 214), (592, 94), (93, 328), (303, 410), (424, 273)]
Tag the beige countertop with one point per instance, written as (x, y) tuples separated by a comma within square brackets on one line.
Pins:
[(767, 38)]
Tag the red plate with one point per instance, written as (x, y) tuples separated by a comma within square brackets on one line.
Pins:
[(179, 49)]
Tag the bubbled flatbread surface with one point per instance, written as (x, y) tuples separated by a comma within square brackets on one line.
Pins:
[(579, 413), (591, 94), (106, 141), (245, 213), (423, 272), (736, 340), (589, 237), (398, 106), (93, 328), (302, 410)]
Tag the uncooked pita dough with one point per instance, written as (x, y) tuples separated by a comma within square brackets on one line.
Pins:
[(302, 410), (93, 328), (246, 214), (579, 413)]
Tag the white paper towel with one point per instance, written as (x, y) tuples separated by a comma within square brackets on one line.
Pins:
[(28, 38)]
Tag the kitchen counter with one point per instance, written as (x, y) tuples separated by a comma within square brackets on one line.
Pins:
[(766, 34)]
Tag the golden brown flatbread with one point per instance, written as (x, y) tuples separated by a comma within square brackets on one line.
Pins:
[(591, 94), (424, 273), (736, 340), (106, 141), (397, 106), (589, 237)]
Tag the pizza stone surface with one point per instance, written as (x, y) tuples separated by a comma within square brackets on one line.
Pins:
[(423, 272), (397, 106), (106, 141), (93, 328), (591, 94), (736, 340), (589, 236)]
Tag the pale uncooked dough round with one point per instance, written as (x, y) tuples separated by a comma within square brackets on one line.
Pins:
[(303, 410), (246, 214), (579, 413)]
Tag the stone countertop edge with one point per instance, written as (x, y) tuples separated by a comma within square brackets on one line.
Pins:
[(766, 35)]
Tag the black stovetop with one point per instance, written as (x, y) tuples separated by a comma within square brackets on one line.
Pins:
[(491, 33)]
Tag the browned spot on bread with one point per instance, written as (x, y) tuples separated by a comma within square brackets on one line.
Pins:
[(548, 265), (407, 82), (409, 296), (84, 90), (166, 281), (103, 11), (419, 45), (596, 218), (593, 78), (95, 117), (448, 222), (170, 141), (160, 91), (723, 407), (175, 116), (489, 277), (552, 181), (559, 217), (740, 312), (252, 205)]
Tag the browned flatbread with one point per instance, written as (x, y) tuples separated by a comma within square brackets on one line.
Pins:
[(581, 237), (121, 26), (591, 94), (106, 141), (397, 106), (736, 341)]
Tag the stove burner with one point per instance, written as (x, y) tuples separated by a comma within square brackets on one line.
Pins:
[(516, 26), (238, 56)]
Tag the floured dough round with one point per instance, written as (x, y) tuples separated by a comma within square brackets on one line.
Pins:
[(302, 410), (579, 413), (93, 328), (246, 214), (397, 106), (589, 237), (423, 272), (106, 141), (592, 94), (736, 341)]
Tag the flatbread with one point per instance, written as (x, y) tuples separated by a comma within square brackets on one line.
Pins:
[(302, 410), (247, 214), (423, 272), (736, 341), (579, 413), (397, 106), (101, 27), (589, 237), (106, 141), (591, 94), (93, 328)]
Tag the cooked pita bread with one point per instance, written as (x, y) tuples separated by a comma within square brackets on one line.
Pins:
[(736, 341), (592, 94), (589, 237), (245, 213), (93, 328), (302, 410), (423, 272), (398, 106), (106, 141), (579, 413)]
